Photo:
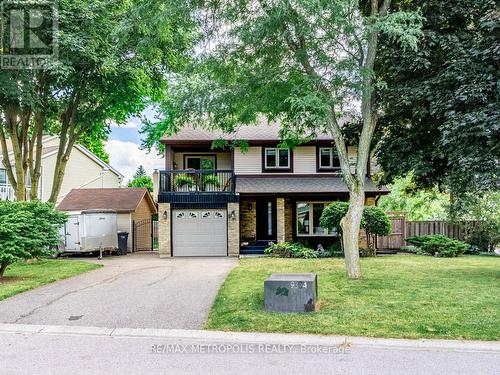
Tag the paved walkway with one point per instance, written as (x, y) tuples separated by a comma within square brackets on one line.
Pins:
[(30, 349), (137, 291)]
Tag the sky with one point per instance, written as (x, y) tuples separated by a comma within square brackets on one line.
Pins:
[(123, 147)]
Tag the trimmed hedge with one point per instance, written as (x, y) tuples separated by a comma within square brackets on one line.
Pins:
[(438, 245)]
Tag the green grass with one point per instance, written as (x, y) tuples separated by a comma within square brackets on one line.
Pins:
[(398, 296), (22, 276)]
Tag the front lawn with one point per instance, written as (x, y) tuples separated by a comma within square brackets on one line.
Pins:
[(399, 296), (22, 276)]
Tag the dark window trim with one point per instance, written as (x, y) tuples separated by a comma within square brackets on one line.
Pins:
[(320, 169), (276, 169), (185, 156)]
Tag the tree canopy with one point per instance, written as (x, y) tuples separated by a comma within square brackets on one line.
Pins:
[(441, 102), (307, 64)]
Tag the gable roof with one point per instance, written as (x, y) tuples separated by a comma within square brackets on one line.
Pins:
[(120, 199), (262, 131), (49, 150)]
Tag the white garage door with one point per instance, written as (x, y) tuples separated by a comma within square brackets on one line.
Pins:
[(199, 232)]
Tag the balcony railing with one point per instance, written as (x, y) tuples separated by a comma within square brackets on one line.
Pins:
[(7, 193), (197, 181)]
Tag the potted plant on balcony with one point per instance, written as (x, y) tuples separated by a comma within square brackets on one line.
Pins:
[(184, 182), (210, 182)]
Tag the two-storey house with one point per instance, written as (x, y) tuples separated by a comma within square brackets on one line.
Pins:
[(84, 170), (231, 201)]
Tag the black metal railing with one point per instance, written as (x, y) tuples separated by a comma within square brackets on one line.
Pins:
[(197, 181)]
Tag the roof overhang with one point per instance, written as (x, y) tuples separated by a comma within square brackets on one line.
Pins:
[(258, 185)]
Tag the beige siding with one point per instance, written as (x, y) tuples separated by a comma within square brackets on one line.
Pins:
[(249, 162), (223, 159), (304, 160), (124, 224), (81, 172)]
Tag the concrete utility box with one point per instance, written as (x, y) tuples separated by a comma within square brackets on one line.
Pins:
[(291, 292)]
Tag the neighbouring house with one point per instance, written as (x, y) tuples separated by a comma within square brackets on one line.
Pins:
[(228, 202), (84, 170), (135, 210)]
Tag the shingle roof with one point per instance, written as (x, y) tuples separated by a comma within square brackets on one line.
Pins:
[(266, 185), (121, 200), (263, 131)]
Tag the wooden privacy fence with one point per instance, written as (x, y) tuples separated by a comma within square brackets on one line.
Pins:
[(403, 228)]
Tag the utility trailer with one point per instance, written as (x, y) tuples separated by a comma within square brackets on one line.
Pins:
[(90, 230)]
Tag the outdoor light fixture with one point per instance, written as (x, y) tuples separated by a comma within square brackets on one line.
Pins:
[(165, 215), (233, 215), (250, 206)]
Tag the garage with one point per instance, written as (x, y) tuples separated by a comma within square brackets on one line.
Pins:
[(199, 232)]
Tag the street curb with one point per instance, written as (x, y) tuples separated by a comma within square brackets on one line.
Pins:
[(214, 337)]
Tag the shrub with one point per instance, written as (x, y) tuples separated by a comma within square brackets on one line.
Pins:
[(485, 235), (290, 250), (375, 221), (27, 230), (183, 180), (210, 179), (438, 245)]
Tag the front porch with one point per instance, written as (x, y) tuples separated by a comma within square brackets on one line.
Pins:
[(265, 220)]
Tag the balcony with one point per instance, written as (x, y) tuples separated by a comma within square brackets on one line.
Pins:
[(196, 187), (7, 193)]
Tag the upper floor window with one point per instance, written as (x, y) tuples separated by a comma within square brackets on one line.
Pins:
[(328, 158), (277, 158), (3, 177)]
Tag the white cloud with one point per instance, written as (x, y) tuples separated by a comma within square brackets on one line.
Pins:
[(127, 156), (132, 123)]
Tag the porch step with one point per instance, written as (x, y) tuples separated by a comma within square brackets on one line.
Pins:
[(255, 249)]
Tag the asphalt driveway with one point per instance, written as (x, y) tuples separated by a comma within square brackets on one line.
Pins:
[(137, 291)]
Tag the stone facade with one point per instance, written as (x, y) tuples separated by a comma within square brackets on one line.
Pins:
[(233, 229), (248, 220), (281, 220), (289, 221), (164, 230)]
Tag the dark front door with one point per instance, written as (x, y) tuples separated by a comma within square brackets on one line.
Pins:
[(266, 219)]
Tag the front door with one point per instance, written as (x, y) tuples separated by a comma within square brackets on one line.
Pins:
[(266, 220)]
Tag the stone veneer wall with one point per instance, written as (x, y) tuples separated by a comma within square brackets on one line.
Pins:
[(248, 220), (289, 221), (164, 230), (233, 229), (281, 220)]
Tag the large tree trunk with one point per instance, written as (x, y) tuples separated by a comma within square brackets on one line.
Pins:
[(65, 147), (35, 154), (351, 224), (3, 267)]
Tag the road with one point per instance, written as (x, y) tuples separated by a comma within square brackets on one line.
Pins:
[(92, 350)]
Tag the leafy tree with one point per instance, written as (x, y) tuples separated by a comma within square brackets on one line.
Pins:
[(113, 61), (486, 212), (94, 141), (420, 204), (374, 220), (441, 114), (140, 172), (142, 182), (27, 229), (304, 63)]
